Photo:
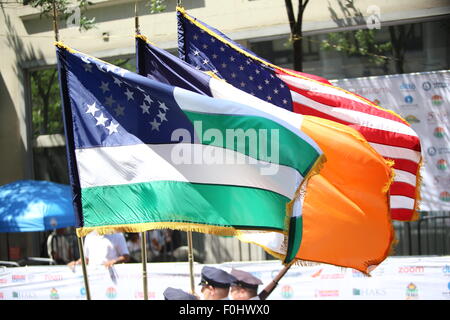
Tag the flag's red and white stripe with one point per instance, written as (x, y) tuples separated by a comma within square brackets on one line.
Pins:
[(388, 133)]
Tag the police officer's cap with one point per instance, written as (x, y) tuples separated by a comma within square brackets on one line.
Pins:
[(177, 294), (245, 279), (216, 278)]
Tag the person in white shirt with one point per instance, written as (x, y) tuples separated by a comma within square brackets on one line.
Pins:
[(107, 250)]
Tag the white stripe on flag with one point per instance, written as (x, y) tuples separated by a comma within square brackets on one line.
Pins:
[(223, 90), (396, 152), (189, 101), (399, 202), (405, 176), (356, 117), (318, 87), (145, 163)]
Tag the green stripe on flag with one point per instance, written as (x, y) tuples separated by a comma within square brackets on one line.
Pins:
[(295, 238), (183, 202), (292, 150)]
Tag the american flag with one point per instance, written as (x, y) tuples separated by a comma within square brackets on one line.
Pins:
[(211, 51)]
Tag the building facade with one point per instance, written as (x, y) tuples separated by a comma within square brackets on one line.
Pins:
[(342, 39)]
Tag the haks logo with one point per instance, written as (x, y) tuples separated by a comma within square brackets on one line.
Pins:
[(23, 295), (369, 292)]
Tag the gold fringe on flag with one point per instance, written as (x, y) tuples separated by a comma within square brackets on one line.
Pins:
[(181, 226)]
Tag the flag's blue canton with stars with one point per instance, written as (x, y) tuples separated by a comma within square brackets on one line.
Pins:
[(160, 65), (111, 106), (207, 53)]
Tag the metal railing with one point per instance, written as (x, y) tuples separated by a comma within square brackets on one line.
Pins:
[(430, 235)]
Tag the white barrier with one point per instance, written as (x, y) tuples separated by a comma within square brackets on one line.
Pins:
[(397, 278)]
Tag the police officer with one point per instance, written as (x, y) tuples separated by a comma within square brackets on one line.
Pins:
[(177, 294), (245, 287), (215, 283)]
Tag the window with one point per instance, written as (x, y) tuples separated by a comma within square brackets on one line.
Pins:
[(413, 47)]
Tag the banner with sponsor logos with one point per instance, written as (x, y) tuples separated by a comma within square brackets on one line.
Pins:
[(397, 278), (423, 99)]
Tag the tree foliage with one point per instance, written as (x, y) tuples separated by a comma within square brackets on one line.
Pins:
[(46, 101), (361, 42), (66, 9)]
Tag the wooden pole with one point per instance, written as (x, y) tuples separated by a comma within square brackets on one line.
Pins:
[(144, 263), (191, 260), (136, 19), (271, 286), (55, 22), (83, 265)]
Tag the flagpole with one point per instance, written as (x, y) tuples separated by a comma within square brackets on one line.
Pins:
[(272, 285), (144, 233), (136, 19), (83, 266), (55, 22), (144, 263), (191, 260), (80, 240)]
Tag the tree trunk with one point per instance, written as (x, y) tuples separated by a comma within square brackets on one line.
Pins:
[(296, 31)]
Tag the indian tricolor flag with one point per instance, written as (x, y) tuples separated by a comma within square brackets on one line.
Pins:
[(146, 155), (207, 49), (342, 213)]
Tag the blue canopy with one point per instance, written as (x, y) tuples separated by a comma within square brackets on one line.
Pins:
[(29, 205)]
